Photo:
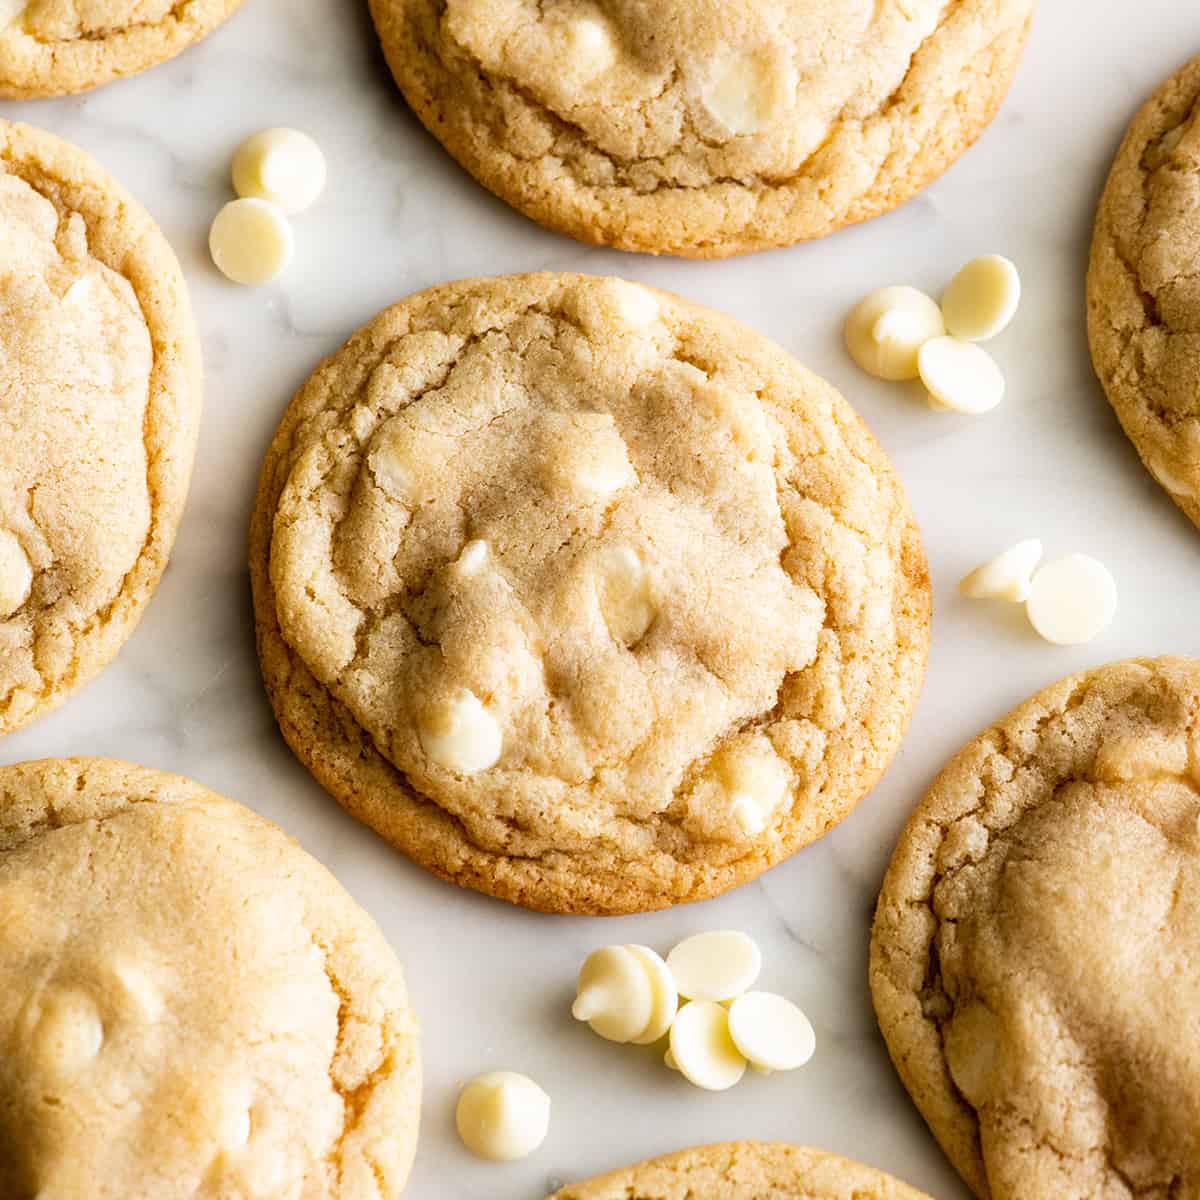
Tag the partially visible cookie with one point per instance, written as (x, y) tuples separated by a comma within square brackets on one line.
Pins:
[(744, 1171), (703, 127), (1143, 288), (1034, 962), (190, 1005), (56, 47), (99, 411), (583, 595)]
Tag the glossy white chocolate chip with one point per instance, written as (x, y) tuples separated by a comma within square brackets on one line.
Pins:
[(770, 1032), (614, 994), (742, 93), (1072, 600), (462, 735), (702, 1048), (886, 330), (758, 786), (250, 241), (635, 305), (474, 558), (625, 595), (502, 1116), (1008, 576), (960, 376), (715, 966), (662, 989), (283, 166), (590, 49), (16, 575), (600, 465), (69, 1032), (982, 298)]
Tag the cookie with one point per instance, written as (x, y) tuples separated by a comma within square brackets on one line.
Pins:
[(190, 1005), (57, 47), (1033, 961), (1143, 292), (99, 409), (583, 595), (744, 1171), (703, 128)]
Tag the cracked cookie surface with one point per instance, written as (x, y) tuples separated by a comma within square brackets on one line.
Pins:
[(58, 47), (190, 1005), (1143, 289), (583, 595), (703, 127), (99, 409), (744, 1171), (1035, 951)]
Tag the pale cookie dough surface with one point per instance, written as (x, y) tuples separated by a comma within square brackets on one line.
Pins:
[(744, 1171), (1143, 290), (703, 127), (56, 47), (670, 570), (1034, 958), (190, 1005), (99, 409)]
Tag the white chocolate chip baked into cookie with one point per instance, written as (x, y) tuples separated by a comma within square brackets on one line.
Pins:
[(583, 595), (703, 128), (1035, 950), (57, 47), (1143, 289), (190, 1005), (99, 410), (744, 1171)]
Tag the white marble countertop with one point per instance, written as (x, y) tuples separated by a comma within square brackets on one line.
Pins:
[(492, 983)]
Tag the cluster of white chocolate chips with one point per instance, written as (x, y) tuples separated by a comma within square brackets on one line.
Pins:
[(630, 994), (277, 173), (900, 333), (1069, 601)]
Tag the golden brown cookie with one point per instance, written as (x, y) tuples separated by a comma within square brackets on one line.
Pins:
[(99, 410), (703, 127), (1143, 289), (583, 595), (56, 47), (1034, 958), (190, 1005), (744, 1171)]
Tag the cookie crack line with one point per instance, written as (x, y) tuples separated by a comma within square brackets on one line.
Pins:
[(174, 16)]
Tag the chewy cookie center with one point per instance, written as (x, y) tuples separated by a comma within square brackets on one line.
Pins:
[(544, 570), (66, 20)]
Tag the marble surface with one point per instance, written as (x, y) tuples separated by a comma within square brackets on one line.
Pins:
[(492, 984)]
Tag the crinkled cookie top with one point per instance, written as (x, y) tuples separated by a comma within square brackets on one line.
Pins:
[(1037, 942), (704, 126), (190, 1007), (1144, 287), (598, 572), (51, 47)]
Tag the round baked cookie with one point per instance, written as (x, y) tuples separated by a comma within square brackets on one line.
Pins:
[(190, 1005), (583, 595), (703, 127), (99, 410), (744, 1171), (57, 47), (1035, 950), (1143, 290)]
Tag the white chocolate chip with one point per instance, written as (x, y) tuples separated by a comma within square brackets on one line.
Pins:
[(502, 1116), (960, 376), (759, 785), (615, 994), (702, 1048), (635, 305), (1072, 600), (662, 988), (250, 241), (715, 966), (283, 166), (982, 298), (669, 1059), (1008, 576), (743, 93), (79, 294), (590, 49), (770, 1032), (69, 1032), (625, 595), (473, 558), (16, 575), (886, 330), (462, 735), (599, 464)]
